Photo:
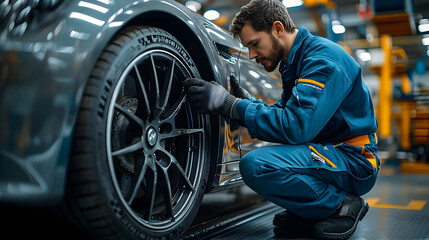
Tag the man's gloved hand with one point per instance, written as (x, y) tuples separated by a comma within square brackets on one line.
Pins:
[(210, 98), (237, 90)]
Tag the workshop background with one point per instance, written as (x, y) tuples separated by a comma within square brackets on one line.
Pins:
[(390, 40)]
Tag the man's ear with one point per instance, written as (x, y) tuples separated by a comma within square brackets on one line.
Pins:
[(278, 28)]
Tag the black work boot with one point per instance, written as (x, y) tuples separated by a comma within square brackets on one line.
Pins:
[(291, 225), (342, 224)]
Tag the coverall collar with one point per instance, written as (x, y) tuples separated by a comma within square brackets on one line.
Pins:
[(302, 34)]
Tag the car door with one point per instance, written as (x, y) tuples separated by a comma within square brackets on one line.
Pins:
[(228, 49), (261, 84)]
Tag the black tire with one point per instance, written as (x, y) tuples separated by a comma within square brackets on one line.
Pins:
[(140, 156)]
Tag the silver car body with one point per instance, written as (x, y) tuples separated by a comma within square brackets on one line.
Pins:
[(45, 62)]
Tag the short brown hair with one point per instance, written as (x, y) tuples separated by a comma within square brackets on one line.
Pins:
[(261, 14)]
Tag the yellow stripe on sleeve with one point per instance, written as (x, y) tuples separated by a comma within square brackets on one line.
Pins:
[(312, 82)]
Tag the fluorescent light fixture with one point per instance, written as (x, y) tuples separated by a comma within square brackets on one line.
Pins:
[(363, 55), (93, 6), (424, 21), (211, 15), (193, 5), (370, 37), (292, 3), (337, 27), (423, 27), (425, 41), (86, 18)]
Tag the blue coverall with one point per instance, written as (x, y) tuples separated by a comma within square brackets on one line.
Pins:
[(326, 125)]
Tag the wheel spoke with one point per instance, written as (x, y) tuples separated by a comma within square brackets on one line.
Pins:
[(181, 132), (129, 115), (171, 114), (174, 161), (155, 76), (153, 190), (152, 197), (136, 184), (128, 149), (167, 87), (168, 197), (146, 99)]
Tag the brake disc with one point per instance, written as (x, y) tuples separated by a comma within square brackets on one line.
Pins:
[(120, 135)]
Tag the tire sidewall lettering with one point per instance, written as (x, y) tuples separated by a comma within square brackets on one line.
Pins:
[(163, 41)]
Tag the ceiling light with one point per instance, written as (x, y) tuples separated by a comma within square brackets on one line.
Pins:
[(337, 27), (370, 37), (292, 3), (424, 21), (425, 40), (193, 5), (423, 25), (211, 15), (363, 55)]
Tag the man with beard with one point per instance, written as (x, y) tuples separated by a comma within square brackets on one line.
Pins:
[(324, 122)]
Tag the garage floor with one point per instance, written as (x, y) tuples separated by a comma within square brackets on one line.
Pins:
[(399, 210)]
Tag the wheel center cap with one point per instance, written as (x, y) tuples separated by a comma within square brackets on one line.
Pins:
[(152, 137)]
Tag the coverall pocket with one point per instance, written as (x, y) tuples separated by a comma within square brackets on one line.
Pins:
[(362, 185), (307, 92)]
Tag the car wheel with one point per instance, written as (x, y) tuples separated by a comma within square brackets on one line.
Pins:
[(140, 156)]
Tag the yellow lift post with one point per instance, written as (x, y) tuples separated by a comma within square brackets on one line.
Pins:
[(410, 117), (385, 92), (387, 71)]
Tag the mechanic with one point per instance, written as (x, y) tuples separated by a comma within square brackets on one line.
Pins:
[(324, 123)]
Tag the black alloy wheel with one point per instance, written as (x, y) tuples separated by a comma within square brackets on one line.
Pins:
[(140, 157)]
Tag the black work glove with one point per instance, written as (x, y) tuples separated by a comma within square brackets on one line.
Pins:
[(210, 98), (237, 90)]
